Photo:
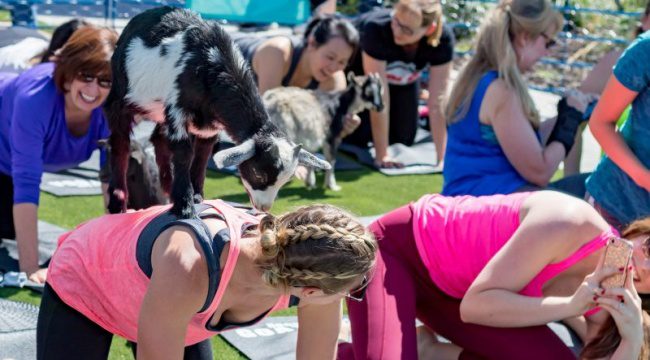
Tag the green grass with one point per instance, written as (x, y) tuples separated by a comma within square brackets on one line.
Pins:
[(364, 193)]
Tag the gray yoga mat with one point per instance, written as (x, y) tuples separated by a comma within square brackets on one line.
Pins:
[(48, 236), (274, 338), (17, 330), (81, 180), (419, 158), (84, 179)]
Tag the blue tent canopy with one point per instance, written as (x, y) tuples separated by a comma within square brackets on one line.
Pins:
[(287, 12)]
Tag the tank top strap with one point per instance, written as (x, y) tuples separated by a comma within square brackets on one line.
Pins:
[(534, 287), (481, 89), (211, 247), (298, 46)]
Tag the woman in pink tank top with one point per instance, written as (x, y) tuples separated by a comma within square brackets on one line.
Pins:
[(489, 273), (169, 285)]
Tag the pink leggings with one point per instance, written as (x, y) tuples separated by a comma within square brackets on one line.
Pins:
[(383, 325)]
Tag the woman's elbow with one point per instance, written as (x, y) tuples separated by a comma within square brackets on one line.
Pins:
[(537, 176), (469, 311)]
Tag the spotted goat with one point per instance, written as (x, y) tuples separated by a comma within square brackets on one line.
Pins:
[(185, 73)]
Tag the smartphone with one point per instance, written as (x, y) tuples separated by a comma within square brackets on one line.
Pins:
[(617, 255)]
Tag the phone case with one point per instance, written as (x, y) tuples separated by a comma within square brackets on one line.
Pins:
[(617, 255)]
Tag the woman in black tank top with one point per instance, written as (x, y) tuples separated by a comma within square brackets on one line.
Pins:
[(316, 60)]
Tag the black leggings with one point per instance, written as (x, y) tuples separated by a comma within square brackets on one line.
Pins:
[(7, 230), (403, 118), (64, 333)]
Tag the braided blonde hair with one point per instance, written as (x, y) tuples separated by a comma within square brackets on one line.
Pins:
[(318, 246)]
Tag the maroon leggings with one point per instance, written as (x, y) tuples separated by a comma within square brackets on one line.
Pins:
[(383, 325)]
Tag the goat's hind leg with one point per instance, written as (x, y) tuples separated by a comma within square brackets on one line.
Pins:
[(202, 151)]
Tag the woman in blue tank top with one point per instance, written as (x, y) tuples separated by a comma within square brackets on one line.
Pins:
[(495, 146)]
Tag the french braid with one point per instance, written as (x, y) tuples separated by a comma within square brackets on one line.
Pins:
[(318, 245)]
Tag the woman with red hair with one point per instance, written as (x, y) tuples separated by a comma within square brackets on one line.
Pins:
[(50, 120)]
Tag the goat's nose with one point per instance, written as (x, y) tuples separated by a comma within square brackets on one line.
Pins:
[(262, 207)]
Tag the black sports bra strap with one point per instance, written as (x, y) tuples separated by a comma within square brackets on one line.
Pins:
[(166, 220)]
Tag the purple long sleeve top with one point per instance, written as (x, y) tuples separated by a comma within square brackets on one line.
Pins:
[(34, 136)]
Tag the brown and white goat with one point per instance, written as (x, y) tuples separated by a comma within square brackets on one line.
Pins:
[(186, 74)]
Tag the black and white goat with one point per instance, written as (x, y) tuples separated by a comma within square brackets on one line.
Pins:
[(185, 73), (315, 118)]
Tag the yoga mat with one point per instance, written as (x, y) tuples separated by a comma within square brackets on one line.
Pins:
[(274, 338), (419, 158), (84, 179), (17, 330), (48, 236)]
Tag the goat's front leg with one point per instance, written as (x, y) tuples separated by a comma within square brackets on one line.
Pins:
[(120, 120), (310, 178), (202, 151), (182, 191), (180, 145), (163, 157), (330, 149)]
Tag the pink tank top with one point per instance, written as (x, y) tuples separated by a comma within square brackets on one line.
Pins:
[(97, 269), (457, 236)]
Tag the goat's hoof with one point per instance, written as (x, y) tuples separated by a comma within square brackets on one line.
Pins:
[(334, 187), (197, 198), (116, 202), (184, 212)]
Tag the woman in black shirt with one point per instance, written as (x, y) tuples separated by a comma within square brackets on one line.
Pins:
[(399, 44)]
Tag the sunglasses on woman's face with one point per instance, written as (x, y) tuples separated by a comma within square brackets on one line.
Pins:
[(357, 294), (403, 28), (550, 42), (87, 78)]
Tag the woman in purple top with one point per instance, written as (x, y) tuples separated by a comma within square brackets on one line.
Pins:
[(50, 119)]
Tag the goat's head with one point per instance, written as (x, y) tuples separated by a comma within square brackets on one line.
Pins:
[(266, 163), (369, 89)]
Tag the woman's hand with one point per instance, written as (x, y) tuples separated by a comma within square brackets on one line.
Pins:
[(38, 276), (624, 304), (589, 292), (579, 100), (388, 162), (350, 123)]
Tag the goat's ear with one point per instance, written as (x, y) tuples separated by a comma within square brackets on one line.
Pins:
[(308, 159), (296, 150), (235, 155), (351, 79)]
